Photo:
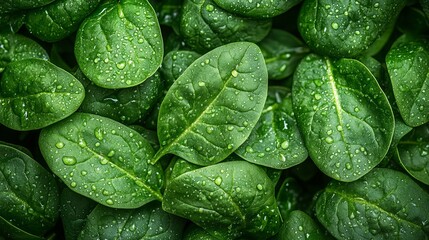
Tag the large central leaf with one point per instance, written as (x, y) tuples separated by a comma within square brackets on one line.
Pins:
[(344, 116), (212, 107)]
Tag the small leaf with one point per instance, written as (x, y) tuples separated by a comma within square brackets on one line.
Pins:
[(257, 9), (344, 117), (120, 44), (212, 107), (102, 160), (235, 196), (299, 226), (384, 204), (50, 95)]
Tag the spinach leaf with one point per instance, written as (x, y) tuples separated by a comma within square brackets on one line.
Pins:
[(15, 5), (212, 107), (29, 196), (120, 44), (298, 226), (345, 28), (103, 160), (236, 197), (257, 9), (204, 26), (275, 141), (413, 153), (74, 211), (194, 232), (282, 52), (50, 95), (407, 63), (59, 19), (384, 204), (344, 116), (15, 47), (148, 222), (174, 63), (127, 105)]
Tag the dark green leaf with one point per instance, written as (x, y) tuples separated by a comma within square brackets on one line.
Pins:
[(234, 196), (344, 117), (384, 204), (120, 44), (103, 160), (212, 107), (257, 9), (175, 62), (275, 141), (51, 94), (299, 226)]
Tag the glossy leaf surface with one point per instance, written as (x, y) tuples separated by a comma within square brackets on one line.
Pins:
[(128, 44), (344, 117), (298, 225), (175, 62), (102, 160), (51, 94), (212, 107), (257, 9)]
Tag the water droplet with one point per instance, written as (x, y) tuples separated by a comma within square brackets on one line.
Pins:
[(209, 130), (423, 153), (318, 82), (234, 73), (109, 201), (329, 140), (230, 146), (104, 161), (111, 153), (209, 7), (348, 166), (218, 181), (334, 25), (132, 228), (120, 65), (230, 128), (83, 173), (249, 149), (59, 145), (339, 128), (98, 133), (201, 84), (259, 187), (300, 228), (73, 184), (356, 109), (69, 160), (317, 96), (284, 144)]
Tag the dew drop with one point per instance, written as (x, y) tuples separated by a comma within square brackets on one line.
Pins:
[(98, 133), (59, 145), (209, 7), (339, 128), (218, 181), (201, 84), (317, 96), (249, 149), (69, 160), (111, 153), (356, 109), (284, 144), (234, 73), (259, 187), (109, 201), (230, 146), (209, 130), (73, 184), (334, 25), (120, 65), (348, 166), (329, 140), (83, 173)]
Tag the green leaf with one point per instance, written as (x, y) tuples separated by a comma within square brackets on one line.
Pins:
[(299, 226), (15, 5), (275, 141), (74, 211), (15, 47), (413, 153), (175, 62), (235, 196), (384, 204), (204, 26), (257, 9), (194, 232), (120, 44), (51, 94), (29, 197), (148, 222), (102, 160), (343, 28), (407, 63), (212, 107), (344, 117), (59, 19), (127, 105), (282, 52)]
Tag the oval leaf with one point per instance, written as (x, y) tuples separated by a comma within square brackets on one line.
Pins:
[(235, 196), (29, 196), (407, 63), (120, 44), (212, 107), (275, 141), (50, 95), (344, 117), (384, 204), (103, 160)]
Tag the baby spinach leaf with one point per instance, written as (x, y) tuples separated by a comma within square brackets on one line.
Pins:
[(384, 204), (275, 141), (282, 52), (289, 196), (15, 47), (127, 105), (194, 232), (15, 5), (299, 226), (59, 19), (344, 117), (120, 44), (74, 211), (345, 28), (413, 153), (204, 26), (212, 107), (177, 167), (175, 62), (257, 9), (103, 160), (235, 196), (29, 197), (407, 63), (149, 222), (51, 94)]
